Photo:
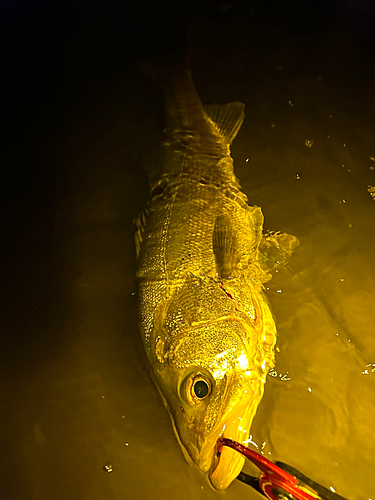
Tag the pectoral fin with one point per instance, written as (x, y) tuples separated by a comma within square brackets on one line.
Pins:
[(274, 249), (225, 247)]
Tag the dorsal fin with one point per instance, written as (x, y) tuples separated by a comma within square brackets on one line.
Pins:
[(140, 223), (227, 118)]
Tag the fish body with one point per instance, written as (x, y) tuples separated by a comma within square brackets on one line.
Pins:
[(205, 322)]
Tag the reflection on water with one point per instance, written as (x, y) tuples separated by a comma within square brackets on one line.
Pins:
[(80, 418)]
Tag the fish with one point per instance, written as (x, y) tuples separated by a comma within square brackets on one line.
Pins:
[(202, 261)]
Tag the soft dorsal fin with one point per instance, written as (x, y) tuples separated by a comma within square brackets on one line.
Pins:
[(225, 247), (227, 118)]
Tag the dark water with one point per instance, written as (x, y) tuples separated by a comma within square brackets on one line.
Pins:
[(75, 394)]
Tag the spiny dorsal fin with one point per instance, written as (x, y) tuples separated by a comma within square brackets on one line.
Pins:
[(227, 118), (225, 247), (140, 223)]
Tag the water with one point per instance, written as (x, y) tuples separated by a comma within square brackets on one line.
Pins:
[(80, 417)]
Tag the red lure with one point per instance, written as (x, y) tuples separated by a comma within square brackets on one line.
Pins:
[(273, 480)]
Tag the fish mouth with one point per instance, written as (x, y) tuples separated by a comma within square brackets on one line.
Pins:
[(224, 467), (228, 464)]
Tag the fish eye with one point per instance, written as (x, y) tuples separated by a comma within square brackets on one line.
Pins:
[(198, 387), (201, 389)]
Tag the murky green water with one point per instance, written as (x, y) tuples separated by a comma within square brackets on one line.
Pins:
[(76, 396)]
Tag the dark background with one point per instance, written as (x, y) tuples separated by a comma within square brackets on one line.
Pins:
[(52, 51)]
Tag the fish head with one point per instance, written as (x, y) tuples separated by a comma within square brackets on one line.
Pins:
[(212, 380)]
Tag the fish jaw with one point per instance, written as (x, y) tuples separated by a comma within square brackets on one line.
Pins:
[(226, 467), (229, 463)]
